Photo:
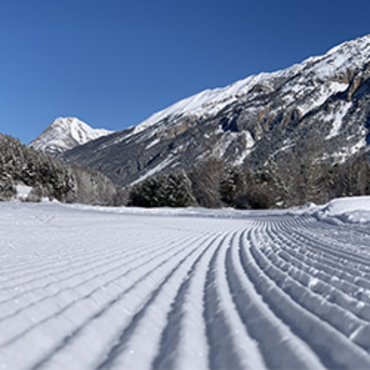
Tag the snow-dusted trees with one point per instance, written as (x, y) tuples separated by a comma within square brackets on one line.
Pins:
[(10, 163), (20, 164), (7, 187), (49, 177), (91, 187)]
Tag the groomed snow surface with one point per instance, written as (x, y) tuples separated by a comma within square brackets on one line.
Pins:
[(102, 288)]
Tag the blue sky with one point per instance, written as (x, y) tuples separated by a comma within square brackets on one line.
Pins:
[(113, 63)]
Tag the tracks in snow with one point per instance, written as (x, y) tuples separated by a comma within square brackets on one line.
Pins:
[(117, 292)]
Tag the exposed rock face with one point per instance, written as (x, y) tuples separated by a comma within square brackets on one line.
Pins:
[(64, 134), (325, 99)]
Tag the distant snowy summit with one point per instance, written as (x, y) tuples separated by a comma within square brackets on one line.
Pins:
[(64, 134)]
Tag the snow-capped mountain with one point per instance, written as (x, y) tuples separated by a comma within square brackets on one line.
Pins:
[(325, 99), (64, 134)]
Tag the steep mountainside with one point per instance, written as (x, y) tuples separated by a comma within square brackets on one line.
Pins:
[(64, 134), (322, 103)]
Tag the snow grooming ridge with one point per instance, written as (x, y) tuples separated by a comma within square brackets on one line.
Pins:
[(251, 290)]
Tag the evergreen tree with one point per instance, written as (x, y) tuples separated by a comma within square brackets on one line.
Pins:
[(165, 190)]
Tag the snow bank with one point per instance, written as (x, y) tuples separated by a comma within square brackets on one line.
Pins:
[(23, 191), (353, 210), (344, 205), (347, 210)]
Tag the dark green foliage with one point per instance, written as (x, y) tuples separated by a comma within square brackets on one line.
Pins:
[(177, 191), (166, 190), (233, 184), (146, 194)]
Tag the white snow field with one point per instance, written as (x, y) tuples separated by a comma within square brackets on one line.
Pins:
[(101, 288)]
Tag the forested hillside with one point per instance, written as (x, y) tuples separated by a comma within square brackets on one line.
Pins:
[(290, 180), (49, 177)]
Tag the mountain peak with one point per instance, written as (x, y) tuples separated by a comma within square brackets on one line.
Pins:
[(64, 134)]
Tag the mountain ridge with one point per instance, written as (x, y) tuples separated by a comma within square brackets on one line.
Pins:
[(252, 120)]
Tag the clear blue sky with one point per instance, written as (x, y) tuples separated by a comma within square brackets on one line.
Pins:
[(113, 63)]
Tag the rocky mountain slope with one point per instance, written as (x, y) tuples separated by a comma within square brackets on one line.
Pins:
[(64, 134), (322, 103)]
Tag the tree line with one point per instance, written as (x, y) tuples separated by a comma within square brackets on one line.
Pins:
[(50, 177), (291, 179)]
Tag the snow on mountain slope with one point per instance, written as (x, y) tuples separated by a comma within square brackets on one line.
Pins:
[(205, 103), (184, 289), (326, 98), (64, 134), (337, 61)]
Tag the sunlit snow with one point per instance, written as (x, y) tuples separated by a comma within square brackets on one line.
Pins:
[(86, 287)]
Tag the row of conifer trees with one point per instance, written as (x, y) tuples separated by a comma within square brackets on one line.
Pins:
[(291, 180), (49, 177)]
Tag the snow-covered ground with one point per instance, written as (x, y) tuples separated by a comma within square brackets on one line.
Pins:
[(97, 288)]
